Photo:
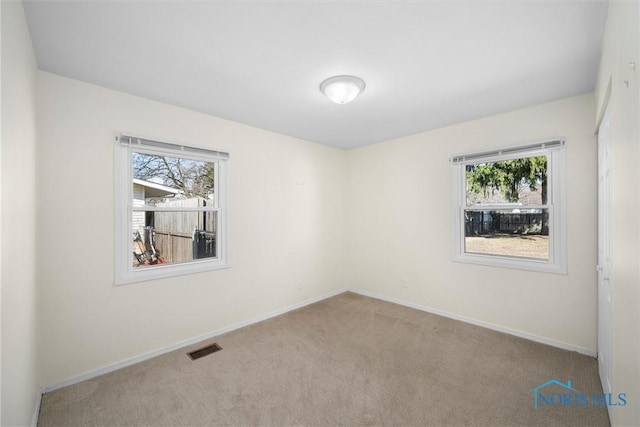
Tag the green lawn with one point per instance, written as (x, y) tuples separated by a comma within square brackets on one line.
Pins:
[(525, 246)]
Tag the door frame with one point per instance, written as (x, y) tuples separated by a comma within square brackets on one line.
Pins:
[(605, 303)]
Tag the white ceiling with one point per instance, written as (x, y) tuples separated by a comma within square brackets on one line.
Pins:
[(426, 64)]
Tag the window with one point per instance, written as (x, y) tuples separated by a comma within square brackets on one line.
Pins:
[(508, 207), (170, 209)]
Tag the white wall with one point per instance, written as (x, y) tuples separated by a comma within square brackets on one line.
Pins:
[(621, 48), (18, 223), (286, 218), (400, 226)]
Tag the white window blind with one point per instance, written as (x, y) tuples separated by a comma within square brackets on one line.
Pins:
[(137, 142), (508, 152)]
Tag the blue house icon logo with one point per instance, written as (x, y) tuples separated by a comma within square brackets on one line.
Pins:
[(570, 396), (536, 390)]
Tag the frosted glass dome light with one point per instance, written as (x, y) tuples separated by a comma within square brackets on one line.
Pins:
[(342, 89)]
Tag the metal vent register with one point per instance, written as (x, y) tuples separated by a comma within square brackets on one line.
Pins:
[(204, 351)]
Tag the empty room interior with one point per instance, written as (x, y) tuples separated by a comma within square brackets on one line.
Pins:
[(320, 213)]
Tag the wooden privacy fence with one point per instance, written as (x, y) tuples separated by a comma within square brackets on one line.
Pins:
[(185, 236), (489, 222), (178, 247)]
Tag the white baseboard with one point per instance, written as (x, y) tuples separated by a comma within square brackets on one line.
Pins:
[(503, 329), (146, 356)]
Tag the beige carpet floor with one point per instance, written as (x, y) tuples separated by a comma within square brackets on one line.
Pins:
[(349, 360)]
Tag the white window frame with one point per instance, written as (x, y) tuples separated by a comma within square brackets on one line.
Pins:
[(125, 145), (555, 150)]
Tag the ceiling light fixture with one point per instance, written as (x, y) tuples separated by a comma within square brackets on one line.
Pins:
[(342, 89)]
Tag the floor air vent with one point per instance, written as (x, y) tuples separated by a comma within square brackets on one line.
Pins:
[(204, 351)]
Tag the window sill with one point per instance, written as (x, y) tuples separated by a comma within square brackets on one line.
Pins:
[(145, 274), (509, 262)]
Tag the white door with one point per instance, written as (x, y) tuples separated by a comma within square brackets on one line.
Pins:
[(604, 251)]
